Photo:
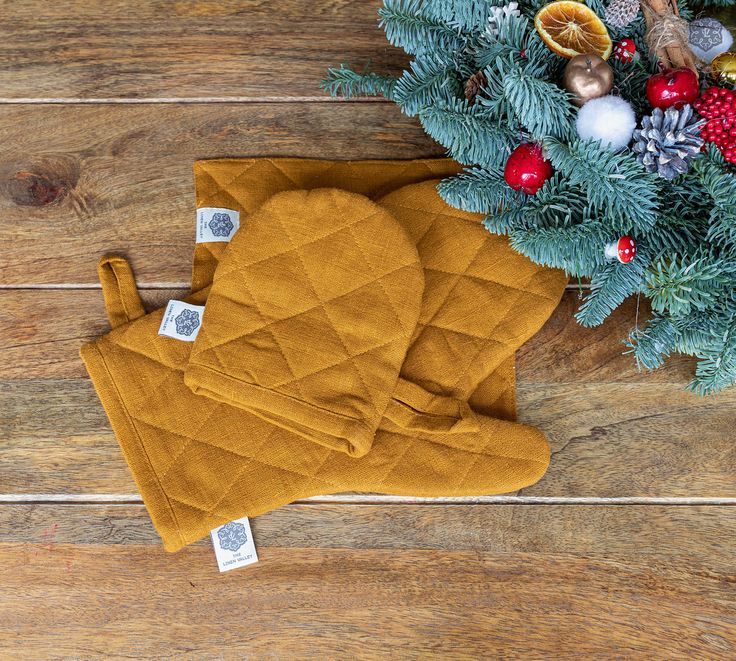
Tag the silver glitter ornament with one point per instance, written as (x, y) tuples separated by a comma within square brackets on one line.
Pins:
[(708, 38)]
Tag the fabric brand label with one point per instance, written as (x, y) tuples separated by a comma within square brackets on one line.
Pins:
[(181, 321), (214, 224), (234, 545)]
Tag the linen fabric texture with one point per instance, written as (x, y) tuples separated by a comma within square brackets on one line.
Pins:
[(444, 416)]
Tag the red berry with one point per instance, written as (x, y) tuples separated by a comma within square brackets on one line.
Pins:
[(718, 106), (527, 169)]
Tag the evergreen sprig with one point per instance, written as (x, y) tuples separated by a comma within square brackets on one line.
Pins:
[(685, 228)]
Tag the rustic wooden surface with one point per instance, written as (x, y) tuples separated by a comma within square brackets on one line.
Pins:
[(402, 581), (623, 550)]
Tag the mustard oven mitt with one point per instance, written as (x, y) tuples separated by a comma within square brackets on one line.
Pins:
[(310, 316)]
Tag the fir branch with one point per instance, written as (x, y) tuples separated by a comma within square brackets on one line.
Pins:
[(610, 285), (720, 185), (539, 61), (682, 223), (464, 15), (507, 219), (615, 183), (471, 135), (428, 80), (478, 190), (541, 107), (506, 40), (566, 247), (411, 26), (679, 284), (656, 342), (630, 80), (716, 369), (707, 4), (347, 83)]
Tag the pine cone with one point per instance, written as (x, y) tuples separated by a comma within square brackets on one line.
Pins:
[(474, 84), (621, 13), (667, 141)]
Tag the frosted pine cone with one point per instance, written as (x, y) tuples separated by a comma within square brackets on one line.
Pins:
[(621, 13), (667, 141), (497, 14)]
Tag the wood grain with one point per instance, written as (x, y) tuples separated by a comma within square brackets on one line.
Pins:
[(372, 582), (31, 346), (615, 432), (79, 181), (186, 48), (609, 440)]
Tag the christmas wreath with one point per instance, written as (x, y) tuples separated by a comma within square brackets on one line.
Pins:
[(600, 139)]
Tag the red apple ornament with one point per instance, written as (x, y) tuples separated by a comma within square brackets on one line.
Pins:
[(624, 249), (527, 169), (673, 87)]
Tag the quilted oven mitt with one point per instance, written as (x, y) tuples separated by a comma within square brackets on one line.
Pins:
[(200, 463), (310, 316)]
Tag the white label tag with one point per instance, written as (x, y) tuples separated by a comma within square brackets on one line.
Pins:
[(181, 321), (234, 545), (215, 224)]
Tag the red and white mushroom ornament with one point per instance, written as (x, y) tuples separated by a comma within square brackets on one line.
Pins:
[(625, 51), (624, 250)]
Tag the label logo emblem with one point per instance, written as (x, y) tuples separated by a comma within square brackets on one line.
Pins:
[(232, 536), (705, 33), (220, 224), (187, 321)]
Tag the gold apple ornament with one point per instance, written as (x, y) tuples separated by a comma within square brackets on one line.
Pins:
[(587, 77)]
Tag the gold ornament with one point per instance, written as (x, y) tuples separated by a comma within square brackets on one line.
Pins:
[(587, 77), (723, 67)]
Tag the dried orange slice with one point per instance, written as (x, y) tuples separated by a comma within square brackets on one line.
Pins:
[(570, 28)]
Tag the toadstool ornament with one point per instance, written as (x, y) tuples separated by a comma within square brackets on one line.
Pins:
[(587, 77), (624, 249), (625, 51)]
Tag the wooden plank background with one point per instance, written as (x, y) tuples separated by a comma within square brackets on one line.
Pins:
[(623, 550)]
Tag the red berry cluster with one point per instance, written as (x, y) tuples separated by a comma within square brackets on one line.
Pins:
[(718, 106)]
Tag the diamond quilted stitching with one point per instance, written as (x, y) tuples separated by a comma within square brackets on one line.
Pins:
[(248, 465), (295, 332)]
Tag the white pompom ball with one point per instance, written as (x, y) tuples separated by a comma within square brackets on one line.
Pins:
[(609, 119)]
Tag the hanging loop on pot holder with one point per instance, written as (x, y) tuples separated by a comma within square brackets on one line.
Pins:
[(414, 408), (122, 300)]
